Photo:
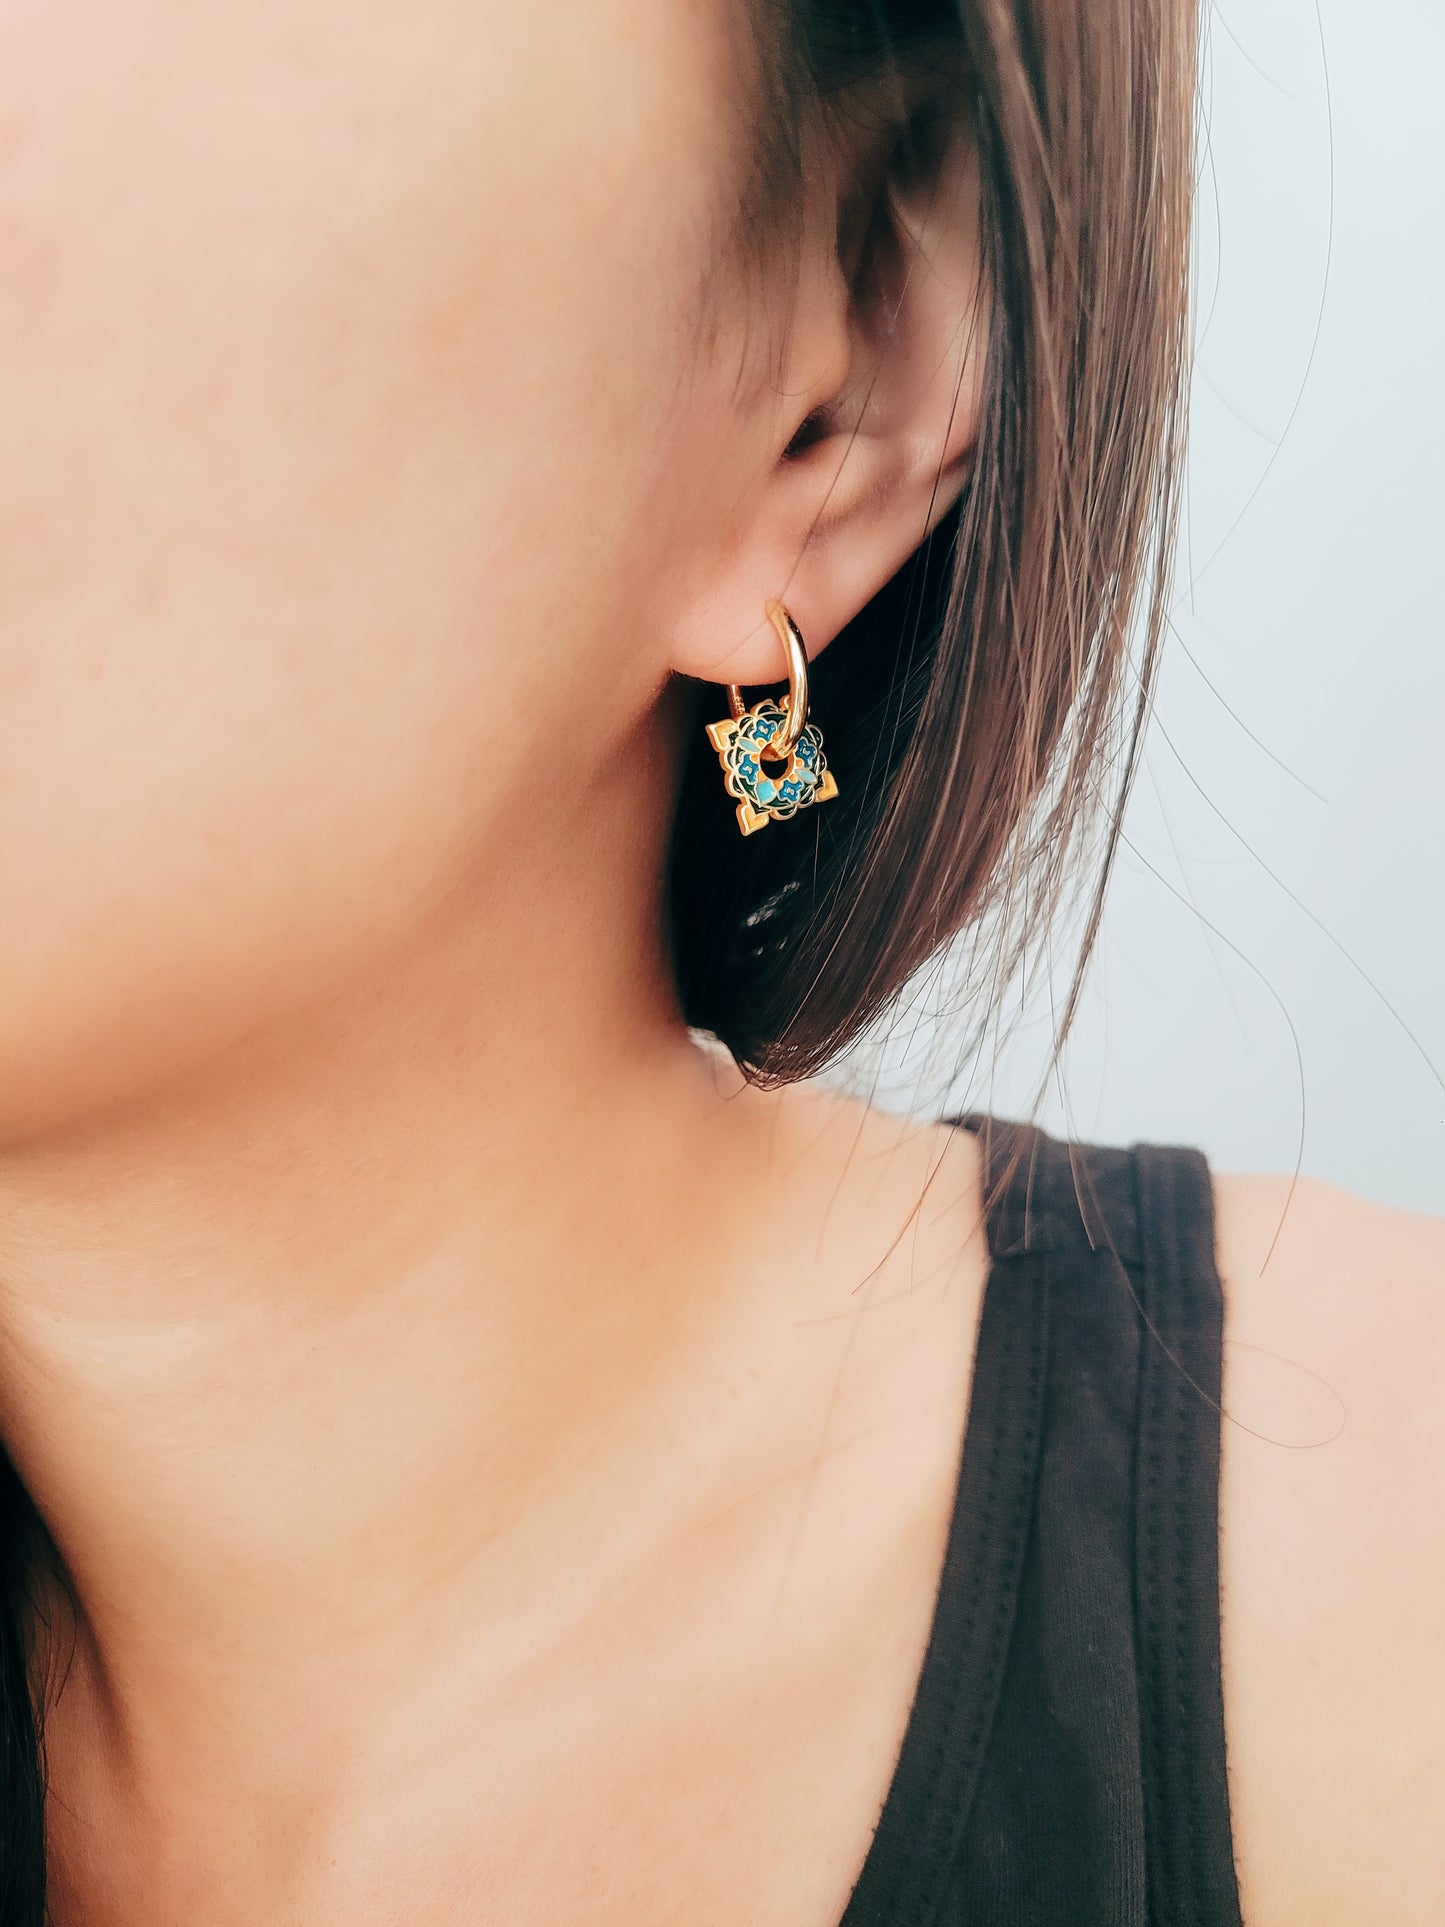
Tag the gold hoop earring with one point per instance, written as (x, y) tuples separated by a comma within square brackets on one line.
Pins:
[(771, 755)]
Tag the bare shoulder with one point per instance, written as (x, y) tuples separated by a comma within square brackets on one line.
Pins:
[(1332, 1553)]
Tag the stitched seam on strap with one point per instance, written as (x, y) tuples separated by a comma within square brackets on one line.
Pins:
[(943, 1739), (959, 1670), (1172, 1892), (1183, 1673), (1183, 1649), (1001, 1625), (1147, 1525)]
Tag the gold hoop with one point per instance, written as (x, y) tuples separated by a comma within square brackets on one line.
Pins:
[(797, 698), (750, 744)]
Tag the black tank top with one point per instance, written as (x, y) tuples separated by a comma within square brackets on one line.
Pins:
[(1063, 1763)]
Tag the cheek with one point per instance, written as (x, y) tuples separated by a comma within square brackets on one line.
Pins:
[(339, 365)]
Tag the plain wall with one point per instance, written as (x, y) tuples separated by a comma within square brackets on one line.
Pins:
[(1283, 879)]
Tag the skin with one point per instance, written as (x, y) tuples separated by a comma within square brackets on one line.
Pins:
[(464, 1521)]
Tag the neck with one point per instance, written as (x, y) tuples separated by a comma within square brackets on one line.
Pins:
[(335, 1335)]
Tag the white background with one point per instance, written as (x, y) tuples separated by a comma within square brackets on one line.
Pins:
[(1284, 878)]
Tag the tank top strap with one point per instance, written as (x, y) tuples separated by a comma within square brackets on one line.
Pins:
[(1125, 1238), (1064, 1757), (1043, 1193)]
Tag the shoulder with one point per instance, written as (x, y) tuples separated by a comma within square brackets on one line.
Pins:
[(1332, 1553)]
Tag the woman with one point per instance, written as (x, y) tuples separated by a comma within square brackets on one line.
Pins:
[(481, 1450)]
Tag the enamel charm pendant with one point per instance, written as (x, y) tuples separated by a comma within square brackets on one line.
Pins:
[(771, 755), (769, 783)]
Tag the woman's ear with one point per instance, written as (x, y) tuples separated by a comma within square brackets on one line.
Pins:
[(875, 414)]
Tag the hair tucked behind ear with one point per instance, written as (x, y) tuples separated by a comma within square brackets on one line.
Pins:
[(970, 710)]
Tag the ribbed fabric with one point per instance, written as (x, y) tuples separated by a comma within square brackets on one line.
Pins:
[(1064, 1763)]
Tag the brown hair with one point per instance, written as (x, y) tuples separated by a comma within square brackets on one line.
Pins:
[(975, 708)]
